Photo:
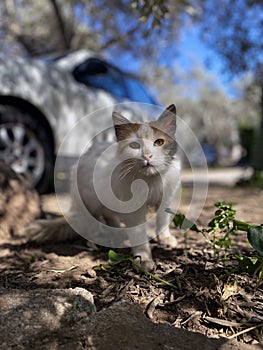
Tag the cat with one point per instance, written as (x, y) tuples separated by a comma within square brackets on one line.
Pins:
[(117, 183)]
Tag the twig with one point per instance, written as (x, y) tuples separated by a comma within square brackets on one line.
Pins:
[(245, 331), (147, 273), (197, 313), (64, 270), (222, 322), (152, 305), (124, 290)]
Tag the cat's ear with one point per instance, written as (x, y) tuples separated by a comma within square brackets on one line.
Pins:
[(123, 127), (119, 119), (170, 108), (167, 121)]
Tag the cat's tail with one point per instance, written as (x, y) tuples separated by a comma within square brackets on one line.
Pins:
[(55, 230)]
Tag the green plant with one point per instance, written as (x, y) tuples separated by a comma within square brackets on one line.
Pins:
[(258, 178), (123, 262), (219, 234), (221, 229)]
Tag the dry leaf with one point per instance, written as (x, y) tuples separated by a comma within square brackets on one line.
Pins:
[(229, 290)]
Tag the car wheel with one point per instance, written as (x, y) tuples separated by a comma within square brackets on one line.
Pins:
[(26, 146)]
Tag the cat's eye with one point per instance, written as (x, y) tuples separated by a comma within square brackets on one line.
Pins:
[(158, 142), (135, 145)]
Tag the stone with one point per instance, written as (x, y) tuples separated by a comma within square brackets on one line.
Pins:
[(19, 203), (66, 319)]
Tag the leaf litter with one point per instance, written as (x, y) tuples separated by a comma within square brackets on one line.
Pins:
[(190, 288)]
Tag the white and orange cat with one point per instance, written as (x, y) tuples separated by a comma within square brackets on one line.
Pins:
[(104, 185)]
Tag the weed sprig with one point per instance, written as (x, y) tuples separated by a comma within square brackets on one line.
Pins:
[(123, 261), (220, 232)]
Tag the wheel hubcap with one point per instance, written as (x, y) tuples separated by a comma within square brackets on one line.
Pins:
[(20, 148)]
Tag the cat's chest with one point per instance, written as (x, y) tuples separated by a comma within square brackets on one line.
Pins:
[(148, 191), (155, 197)]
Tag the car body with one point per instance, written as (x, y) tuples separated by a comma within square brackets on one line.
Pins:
[(42, 100)]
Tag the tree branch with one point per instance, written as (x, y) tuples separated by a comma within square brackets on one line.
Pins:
[(121, 37), (61, 25)]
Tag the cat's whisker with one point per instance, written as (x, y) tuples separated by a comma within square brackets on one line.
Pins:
[(124, 173), (130, 167), (134, 173), (126, 169)]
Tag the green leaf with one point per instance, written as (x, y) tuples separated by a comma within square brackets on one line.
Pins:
[(255, 237), (181, 221), (102, 267), (115, 258), (178, 220), (248, 264)]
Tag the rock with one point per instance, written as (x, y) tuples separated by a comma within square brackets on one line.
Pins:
[(31, 319), (66, 319), (123, 326), (19, 203)]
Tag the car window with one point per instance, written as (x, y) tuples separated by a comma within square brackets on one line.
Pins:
[(136, 91), (98, 74)]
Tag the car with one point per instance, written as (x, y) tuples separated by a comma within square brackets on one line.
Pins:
[(42, 100)]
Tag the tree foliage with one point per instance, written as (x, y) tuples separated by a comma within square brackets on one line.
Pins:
[(36, 27), (233, 28)]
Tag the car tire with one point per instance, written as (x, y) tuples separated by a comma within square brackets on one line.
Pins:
[(26, 146)]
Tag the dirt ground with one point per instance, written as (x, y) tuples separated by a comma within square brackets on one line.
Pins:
[(209, 296)]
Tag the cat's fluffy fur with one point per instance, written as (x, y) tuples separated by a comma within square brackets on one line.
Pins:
[(142, 152)]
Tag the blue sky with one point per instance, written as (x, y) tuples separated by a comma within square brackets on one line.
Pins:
[(192, 49)]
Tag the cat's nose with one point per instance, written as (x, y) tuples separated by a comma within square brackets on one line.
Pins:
[(148, 156), (147, 159)]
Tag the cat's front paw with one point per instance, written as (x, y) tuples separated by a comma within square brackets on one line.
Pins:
[(147, 265), (143, 256), (168, 242)]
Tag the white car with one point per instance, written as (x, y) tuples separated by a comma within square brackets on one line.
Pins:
[(40, 101)]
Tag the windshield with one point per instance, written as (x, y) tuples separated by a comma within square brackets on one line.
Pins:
[(137, 92), (95, 72)]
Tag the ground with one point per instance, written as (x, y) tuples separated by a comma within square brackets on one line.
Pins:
[(209, 295)]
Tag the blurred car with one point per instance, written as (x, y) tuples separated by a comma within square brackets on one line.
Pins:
[(40, 101), (210, 153)]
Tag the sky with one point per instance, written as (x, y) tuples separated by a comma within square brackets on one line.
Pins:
[(191, 49)]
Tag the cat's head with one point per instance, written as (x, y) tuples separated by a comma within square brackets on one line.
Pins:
[(146, 148)]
